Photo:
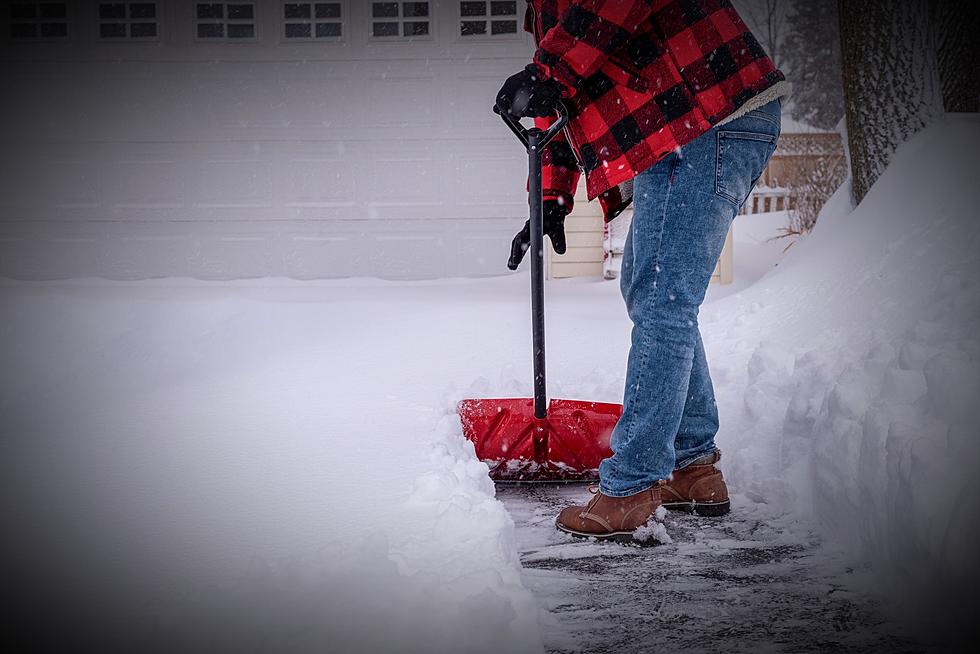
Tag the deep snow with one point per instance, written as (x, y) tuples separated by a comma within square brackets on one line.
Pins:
[(849, 378), (255, 464), (276, 464)]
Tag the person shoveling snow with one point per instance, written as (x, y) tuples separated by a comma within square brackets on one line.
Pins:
[(681, 120)]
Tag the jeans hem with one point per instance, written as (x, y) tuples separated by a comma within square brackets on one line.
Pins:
[(688, 460)]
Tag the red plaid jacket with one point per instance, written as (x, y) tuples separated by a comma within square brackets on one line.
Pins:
[(641, 78)]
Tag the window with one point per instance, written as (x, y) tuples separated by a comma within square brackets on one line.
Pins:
[(127, 20), (312, 20), (232, 21), (482, 18), (38, 20), (399, 19)]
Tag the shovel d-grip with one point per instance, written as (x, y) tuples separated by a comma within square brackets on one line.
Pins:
[(525, 439)]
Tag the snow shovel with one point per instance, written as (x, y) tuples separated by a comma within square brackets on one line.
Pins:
[(528, 439)]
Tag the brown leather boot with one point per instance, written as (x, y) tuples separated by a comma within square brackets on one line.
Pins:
[(611, 518), (698, 488)]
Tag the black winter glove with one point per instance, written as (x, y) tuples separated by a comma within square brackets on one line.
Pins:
[(527, 94), (554, 227)]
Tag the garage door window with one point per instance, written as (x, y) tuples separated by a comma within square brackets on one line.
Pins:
[(309, 21), (392, 20), (39, 20), (487, 18), (119, 21), (232, 21)]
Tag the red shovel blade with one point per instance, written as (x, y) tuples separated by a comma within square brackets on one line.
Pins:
[(566, 446)]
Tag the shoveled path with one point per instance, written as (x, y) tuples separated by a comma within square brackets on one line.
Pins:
[(746, 582)]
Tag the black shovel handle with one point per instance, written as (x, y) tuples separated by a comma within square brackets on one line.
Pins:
[(534, 140)]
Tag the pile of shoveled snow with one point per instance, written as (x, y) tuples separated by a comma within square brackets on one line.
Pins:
[(249, 466), (848, 378)]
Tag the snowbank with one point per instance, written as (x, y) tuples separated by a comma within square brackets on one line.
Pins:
[(241, 467), (849, 376)]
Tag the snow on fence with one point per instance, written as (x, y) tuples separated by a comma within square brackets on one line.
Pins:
[(764, 199)]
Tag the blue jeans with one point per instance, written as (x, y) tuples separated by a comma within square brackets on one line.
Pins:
[(683, 207)]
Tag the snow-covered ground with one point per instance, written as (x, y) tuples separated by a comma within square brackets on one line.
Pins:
[(259, 463), (276, 464)]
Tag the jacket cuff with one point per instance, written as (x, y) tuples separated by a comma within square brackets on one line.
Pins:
[(564, 198), (548, 73)]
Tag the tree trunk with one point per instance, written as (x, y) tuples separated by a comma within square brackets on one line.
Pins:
[(956, 24), (890, 80)]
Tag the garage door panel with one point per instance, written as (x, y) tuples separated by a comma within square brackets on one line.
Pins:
[(474, 86), (71, 183), (317, 182), (238, 99), (318, 102), (150, 250), (266, 158), (19, 242), (322, 253), (403, 173), (233, 176), (146, 187), (51, 100), (223, 256), (475, 97), (43, 181), (139, 104), (34, 89), (20, 175), (403, 101), (482, 247), (491, 175), (69, 249), (408, 249)]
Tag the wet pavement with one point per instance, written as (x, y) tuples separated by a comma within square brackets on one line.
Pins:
[(746, 582)]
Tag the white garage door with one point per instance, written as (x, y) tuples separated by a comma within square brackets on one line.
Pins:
[(265, 138)]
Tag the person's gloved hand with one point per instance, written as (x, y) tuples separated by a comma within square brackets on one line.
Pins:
[(554, 227), (527, 94)]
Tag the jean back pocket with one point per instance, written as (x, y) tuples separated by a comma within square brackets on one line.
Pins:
[(742, 157)]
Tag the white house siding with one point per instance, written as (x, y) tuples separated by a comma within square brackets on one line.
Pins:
[(257, 158), (583, 235), (592, 252)]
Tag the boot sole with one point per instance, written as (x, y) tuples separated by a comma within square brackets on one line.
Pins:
[(621, 537), (706, 509)]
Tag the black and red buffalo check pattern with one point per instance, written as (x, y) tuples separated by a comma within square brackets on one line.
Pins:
[(642, 78)]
